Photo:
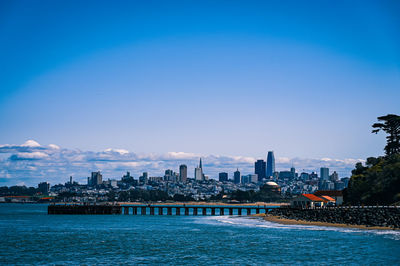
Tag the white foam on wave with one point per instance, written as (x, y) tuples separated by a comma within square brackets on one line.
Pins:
[(261, 223)]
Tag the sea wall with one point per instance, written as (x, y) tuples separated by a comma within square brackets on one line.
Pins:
[(369, 216)]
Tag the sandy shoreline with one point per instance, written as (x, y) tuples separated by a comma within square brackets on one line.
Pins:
[(279, 220)]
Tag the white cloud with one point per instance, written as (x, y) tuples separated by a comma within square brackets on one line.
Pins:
[(181, 155), (54, 146), (129, 164), (243, 159), (32, 163), (282, 160), (37, 155), (120, 151), (31, 143)]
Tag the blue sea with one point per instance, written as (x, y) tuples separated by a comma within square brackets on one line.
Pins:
[(29, 236)]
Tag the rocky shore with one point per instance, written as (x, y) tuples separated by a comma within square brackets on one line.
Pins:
[(365, 217)]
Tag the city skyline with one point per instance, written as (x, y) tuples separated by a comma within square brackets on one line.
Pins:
[(31, 163)]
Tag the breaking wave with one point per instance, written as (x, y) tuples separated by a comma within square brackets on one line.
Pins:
[(261, 223)]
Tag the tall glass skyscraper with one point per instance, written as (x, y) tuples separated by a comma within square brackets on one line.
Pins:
[(223, 177), (260, 169), (324, 173), (270, 164), (183, 173), (236, 177)]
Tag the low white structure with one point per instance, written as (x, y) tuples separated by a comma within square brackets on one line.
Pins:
[(307, 201)]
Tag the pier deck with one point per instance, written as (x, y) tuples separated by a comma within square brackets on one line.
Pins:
[(158, 209)]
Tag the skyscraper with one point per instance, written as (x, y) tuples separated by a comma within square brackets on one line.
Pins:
[(127, 176), (260, 169), (223, 177), (198, 174), (293, 171), (253, 178), (44, 187), (170, 175), (236, 177), (144, 178), (96, 179), (183, 173), (324, 173), (270, 164), (334, 176)]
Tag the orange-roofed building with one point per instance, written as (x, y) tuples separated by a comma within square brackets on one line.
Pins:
[(328, 200), (335, 194), (17, 199), (307, 201)]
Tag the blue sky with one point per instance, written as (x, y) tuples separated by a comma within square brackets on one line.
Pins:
[(226, 78)]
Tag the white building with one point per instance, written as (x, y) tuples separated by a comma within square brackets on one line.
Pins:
[(307, 201), (198, 174), (254, 178)]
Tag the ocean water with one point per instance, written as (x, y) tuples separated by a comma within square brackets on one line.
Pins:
[(29, 236)]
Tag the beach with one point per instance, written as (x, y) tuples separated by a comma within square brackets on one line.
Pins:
[(277, 219)]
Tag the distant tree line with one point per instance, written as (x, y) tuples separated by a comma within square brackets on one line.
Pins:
[(378, 182), (182, 198), (18, 191)]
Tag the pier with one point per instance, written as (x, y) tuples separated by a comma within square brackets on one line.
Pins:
[(158, 209)]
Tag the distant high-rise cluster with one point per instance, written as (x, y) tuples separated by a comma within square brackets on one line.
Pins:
[(144, 178), (44, 187), (287, 182), (170, 175), (96, 179)]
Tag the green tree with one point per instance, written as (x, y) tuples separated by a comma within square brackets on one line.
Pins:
[(182, 198), (111, 195), (376, 183), (391, 125), (18, 191), (123, 196)]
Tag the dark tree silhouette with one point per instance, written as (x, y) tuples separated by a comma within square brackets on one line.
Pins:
[(378, 182), (391, 125)]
